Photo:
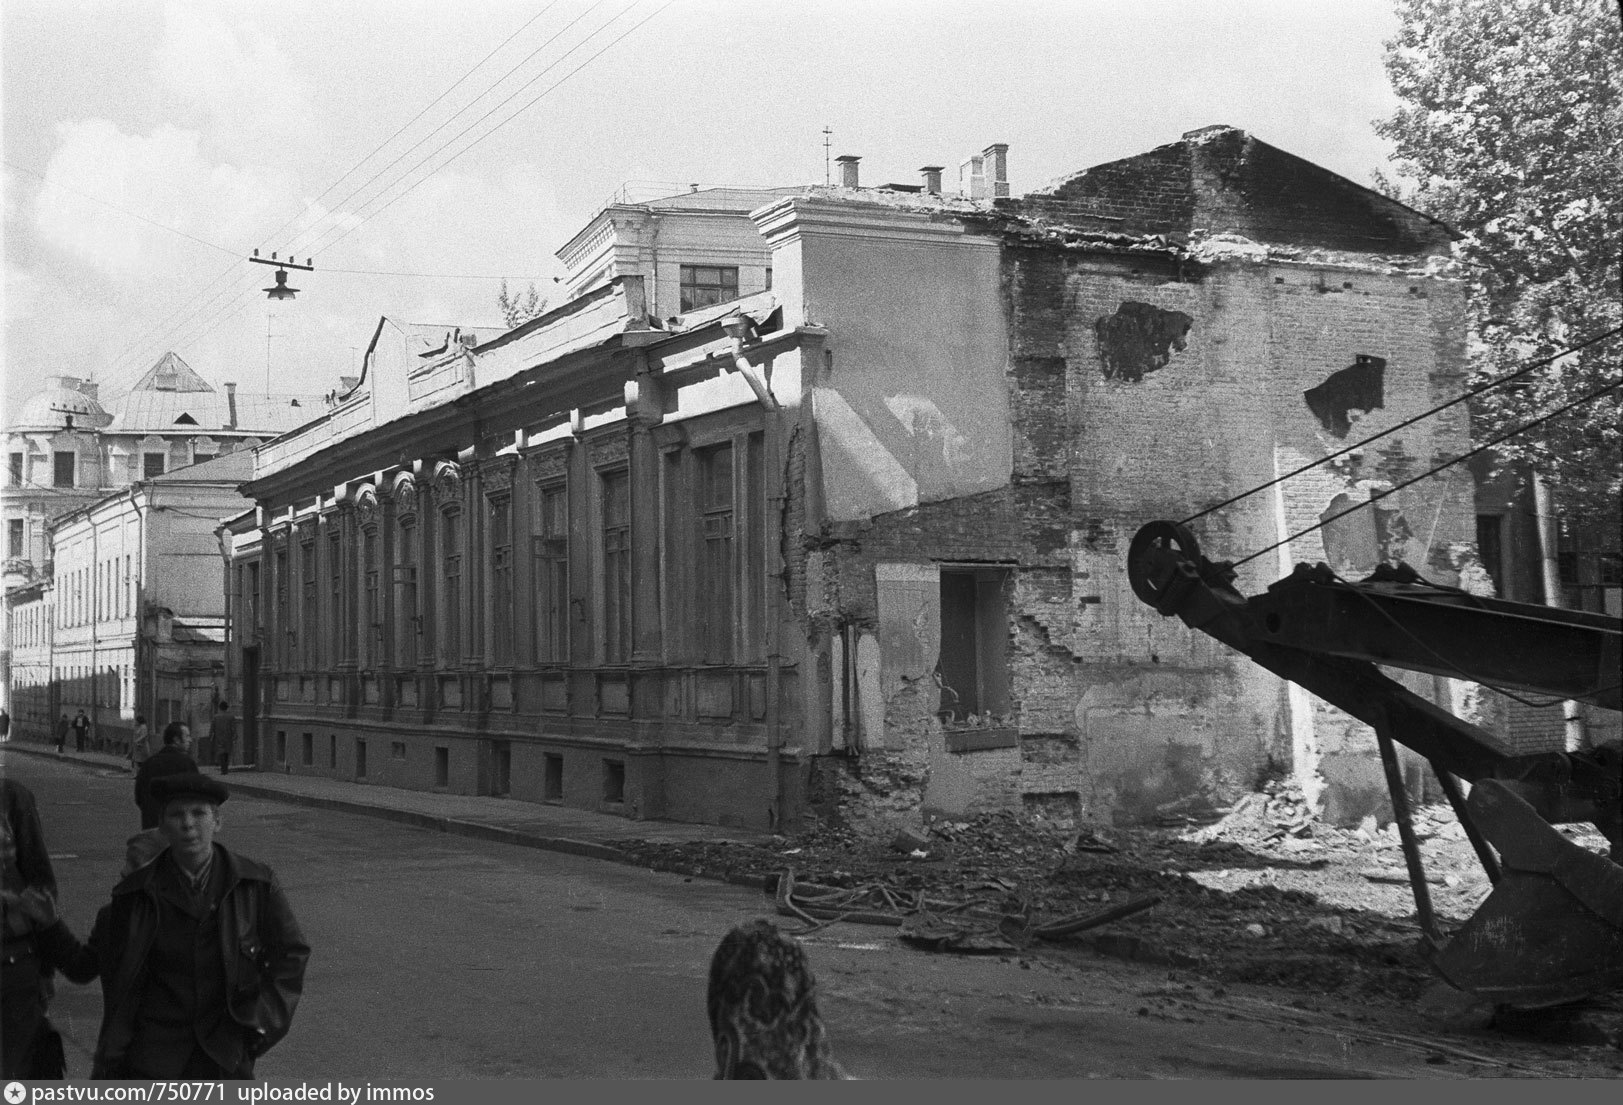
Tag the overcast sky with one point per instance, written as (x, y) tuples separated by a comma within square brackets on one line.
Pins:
[(208, 129)]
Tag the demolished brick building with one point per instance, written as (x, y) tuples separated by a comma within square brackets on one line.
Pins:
[(853, 544)]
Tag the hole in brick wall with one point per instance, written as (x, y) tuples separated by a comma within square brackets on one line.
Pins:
[(1359, 387), (1139, 338), (1279, 280)]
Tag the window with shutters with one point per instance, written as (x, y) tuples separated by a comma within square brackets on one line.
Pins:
[(717, 580), (501, 580), (450, 612), (550, 562), (309, 612), (616, 507), (371, 607), (408, 615)]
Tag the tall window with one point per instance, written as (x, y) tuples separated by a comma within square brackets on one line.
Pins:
[(129, 587), (550, 561), (707, 285), (717, 581), (406, 580), (14, 537), (616, 566), (283, 626), (451, 586), (501, 580), (308, 609), (64, 463), (151, 465), (372, 613), (252, 621), (338, 631), (15, 469)]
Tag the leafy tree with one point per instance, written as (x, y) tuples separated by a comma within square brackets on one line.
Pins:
[(519, 310), (1511, 131)]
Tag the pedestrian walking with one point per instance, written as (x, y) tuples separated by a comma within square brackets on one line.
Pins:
[(5, 724), (762, 1001), (139, 748), (225, 735), (174, 758), (30, 1047), (81, 730), (200, 958), (62, 727)]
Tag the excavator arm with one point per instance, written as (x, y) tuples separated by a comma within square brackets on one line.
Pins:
[(1552, 930)]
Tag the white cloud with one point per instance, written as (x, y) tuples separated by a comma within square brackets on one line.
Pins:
[(158, 177), (238, 76)]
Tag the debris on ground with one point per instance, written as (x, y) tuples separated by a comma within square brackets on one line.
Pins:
[(1264, 894)]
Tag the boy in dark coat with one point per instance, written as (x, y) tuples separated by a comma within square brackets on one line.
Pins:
[(200, 959)]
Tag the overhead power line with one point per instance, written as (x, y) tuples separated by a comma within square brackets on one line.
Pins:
[(1530, 367), (146, 339), (1522, 429)]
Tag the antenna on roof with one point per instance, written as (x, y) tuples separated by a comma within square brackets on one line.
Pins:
[(828, 170)]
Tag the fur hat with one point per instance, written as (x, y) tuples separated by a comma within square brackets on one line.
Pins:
[(189, 784)]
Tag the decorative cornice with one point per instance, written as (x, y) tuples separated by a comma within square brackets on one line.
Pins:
[(366, 505), (550, 464), (608, 451), (497, 474), (448, 481)]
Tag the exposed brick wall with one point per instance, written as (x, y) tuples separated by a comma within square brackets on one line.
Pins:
[(1225, 181), (1123, 714)]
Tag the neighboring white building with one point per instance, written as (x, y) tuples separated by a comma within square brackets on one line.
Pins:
[(65, 450), (132, 619)]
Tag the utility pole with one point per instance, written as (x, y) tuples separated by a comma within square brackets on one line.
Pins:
[(269, 318)]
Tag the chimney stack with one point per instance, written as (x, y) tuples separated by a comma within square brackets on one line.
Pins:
[(932, 179), (972, 178), (996, 160), (848, 169), (231, 405)]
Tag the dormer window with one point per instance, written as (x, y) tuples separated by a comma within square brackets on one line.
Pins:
[(185, 420), (168, 380), (708, 285)]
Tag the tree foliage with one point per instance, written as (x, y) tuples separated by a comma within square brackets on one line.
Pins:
[(1511, 131), (518, 310)]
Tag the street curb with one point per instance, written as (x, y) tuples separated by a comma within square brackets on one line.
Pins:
[(588, 849)]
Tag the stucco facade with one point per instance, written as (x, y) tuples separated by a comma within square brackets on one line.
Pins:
[(854, 544)]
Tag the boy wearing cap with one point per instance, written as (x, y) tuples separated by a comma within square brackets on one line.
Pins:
[(200, 959)]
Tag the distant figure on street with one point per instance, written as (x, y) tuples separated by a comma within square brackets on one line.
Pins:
[(200, 958), (225, 735), (29, 1046), (140, 750), (172, 759), (81, 730), (62, 727), (762, 1001), (5, 724)]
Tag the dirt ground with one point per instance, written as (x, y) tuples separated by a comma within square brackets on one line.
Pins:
[(1267, 896)]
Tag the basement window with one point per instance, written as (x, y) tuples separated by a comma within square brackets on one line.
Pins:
[(973, 664)]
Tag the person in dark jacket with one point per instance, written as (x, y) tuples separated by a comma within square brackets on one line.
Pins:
[(200, 959), (81, 730), (174, 758), (29, 1046), (62, 726)]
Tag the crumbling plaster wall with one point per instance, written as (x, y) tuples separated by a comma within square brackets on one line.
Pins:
[(1121, 714)]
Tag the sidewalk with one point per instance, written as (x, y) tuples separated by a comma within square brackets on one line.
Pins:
[(528, 824)]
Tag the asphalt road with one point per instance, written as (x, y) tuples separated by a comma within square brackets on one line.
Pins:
[(440, 956)]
